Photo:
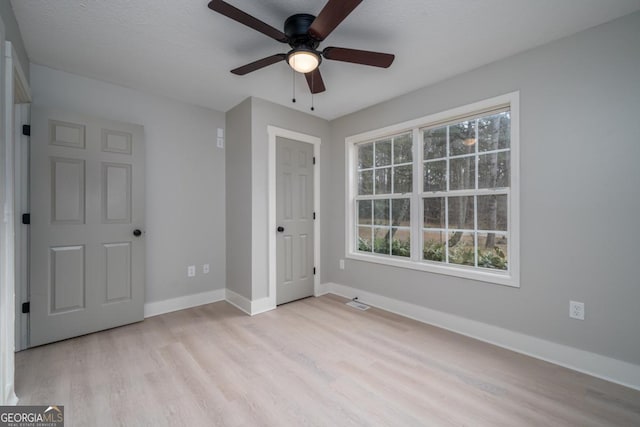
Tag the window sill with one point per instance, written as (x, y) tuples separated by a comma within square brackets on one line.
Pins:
[(504, 279)]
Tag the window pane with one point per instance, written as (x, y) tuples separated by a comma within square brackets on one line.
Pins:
[(403, 179), (435, 176), (462, 138), (462, 174), (434, 211), (461, 212), (364, 239), (383, 181), (435, 143), (494, 132), (400, 243), (365, 182), (401, 212), (492, 212), (402, 149), (365, 156), (461, 248), (381, 212), (383, 153), (381, 241), (492, 251), (364, 212), (434, 246), (493, 170)]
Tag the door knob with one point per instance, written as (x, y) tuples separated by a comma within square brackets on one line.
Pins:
[(137, 232), (280, 229)]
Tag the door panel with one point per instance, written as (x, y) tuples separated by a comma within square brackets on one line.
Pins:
[(294, 212), (87, 197), (67, 134), (118, 271), (114, 141), (67, 278), (116, 193), (67, 191)]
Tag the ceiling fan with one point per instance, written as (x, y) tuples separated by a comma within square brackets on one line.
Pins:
[(304, 32)]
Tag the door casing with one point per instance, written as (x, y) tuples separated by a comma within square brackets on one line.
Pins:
[(295, 214), (273, 133)]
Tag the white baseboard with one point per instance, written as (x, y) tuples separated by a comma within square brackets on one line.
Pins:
[(9, 397), (12, 401), (321, 289), (262, 305), (180, 303), (238, 301), (617, 371), (250, 307)]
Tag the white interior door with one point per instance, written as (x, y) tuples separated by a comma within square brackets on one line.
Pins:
[(294, 217), (87, 217)]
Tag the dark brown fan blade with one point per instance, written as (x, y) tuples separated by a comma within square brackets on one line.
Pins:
[(364, 57), (260, 63), (314, 80), (330, 17), (244, 18)]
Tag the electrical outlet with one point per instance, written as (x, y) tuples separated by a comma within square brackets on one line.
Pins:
[(191, 271), (341, 264), (576, 310), (205, 269)]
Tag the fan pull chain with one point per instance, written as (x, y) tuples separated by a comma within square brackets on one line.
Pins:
[(293, 75), (313, 86)]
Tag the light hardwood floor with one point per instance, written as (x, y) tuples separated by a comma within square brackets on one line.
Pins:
[(312, 362)]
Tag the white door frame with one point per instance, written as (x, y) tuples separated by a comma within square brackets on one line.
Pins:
[(22, 99), (7, 288), (15, 89), (275, 132)]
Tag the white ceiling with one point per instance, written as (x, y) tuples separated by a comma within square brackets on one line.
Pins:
[(183, 50)]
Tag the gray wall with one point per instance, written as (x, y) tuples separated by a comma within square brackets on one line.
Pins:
[(265, 113), (12, 34), (238, 198), (185, 176), (580, 147)]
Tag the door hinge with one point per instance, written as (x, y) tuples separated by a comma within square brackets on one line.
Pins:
[(314, 271), (314, 160), (26, 219), (26, 307), (26, 130)]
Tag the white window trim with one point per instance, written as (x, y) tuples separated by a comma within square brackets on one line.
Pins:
[(510, 278)]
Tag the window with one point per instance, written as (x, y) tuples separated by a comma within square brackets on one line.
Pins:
[(385, 180), (439, 193)]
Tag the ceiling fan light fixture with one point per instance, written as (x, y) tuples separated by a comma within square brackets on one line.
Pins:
[(303, 60), (304, 33)]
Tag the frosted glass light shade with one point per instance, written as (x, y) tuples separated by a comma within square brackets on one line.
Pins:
[(303, 61)]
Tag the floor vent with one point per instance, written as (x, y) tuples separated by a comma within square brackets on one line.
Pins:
[(358, 305)]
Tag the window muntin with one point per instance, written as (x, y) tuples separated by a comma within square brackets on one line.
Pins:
[(478, 239)]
